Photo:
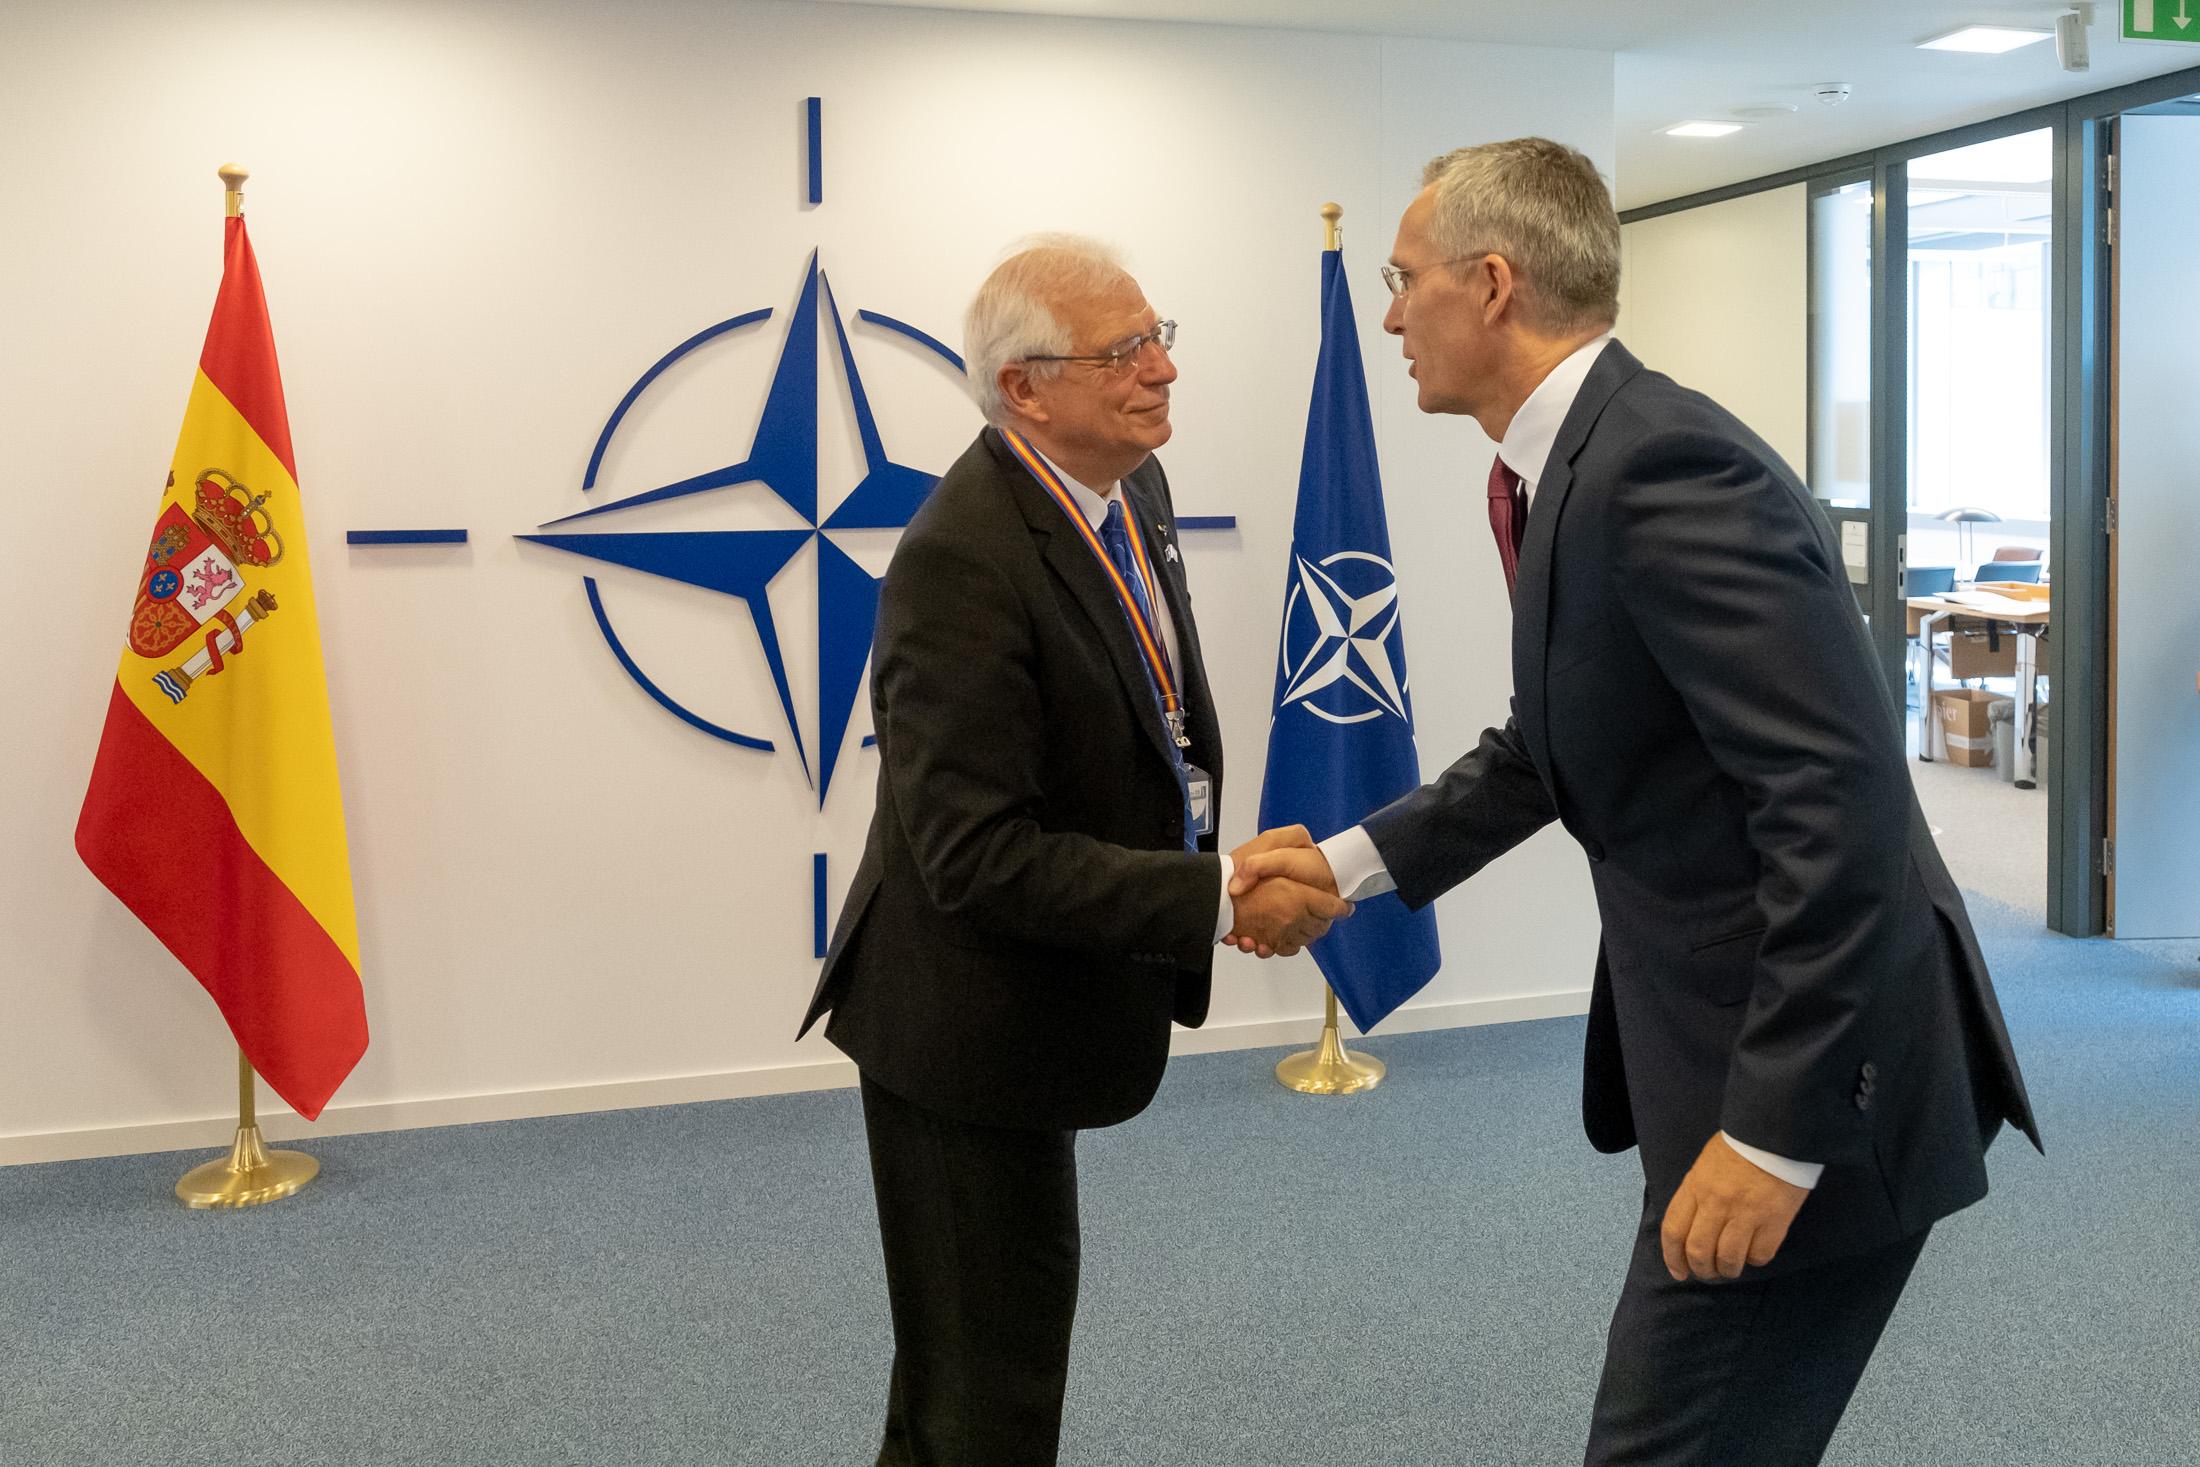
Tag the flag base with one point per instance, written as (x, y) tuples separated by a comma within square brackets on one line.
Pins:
[(250, 1175), (1330, 1068)]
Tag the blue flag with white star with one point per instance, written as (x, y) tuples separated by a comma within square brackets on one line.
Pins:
[(1340, 745)]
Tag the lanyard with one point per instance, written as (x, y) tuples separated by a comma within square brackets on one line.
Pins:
[(1157, 657)]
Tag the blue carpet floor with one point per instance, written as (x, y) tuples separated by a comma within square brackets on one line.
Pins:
[(1419, 1276)]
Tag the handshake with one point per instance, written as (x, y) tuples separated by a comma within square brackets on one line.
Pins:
[(1282, 893)]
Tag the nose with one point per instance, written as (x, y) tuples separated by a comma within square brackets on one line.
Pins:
[(1155, 366), (1394, 319)]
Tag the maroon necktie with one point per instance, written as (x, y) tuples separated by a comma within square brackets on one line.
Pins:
[(1508, 518)]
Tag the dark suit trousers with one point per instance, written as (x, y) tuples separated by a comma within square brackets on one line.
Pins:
[(1750, 1373), (979, 1225)]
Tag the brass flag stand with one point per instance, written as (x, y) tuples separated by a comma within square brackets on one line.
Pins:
[(251, 1174), (1329, 1068)]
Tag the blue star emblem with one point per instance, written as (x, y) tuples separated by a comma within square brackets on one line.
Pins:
[(744, 563)]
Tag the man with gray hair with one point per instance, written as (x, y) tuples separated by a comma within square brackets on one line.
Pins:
[(1790, 1015), (1041, 893)]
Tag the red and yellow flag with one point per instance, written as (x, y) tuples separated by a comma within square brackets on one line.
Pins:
[(214, 811)]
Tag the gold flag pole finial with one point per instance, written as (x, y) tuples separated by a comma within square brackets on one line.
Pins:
[(250, 1174), (1331, 213), (233, 176)]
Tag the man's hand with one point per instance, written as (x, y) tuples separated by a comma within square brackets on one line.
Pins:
[(1303, 901), (1280, 916), (1282, 838), (1728, 1211)]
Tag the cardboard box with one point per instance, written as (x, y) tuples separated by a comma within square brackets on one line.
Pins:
[(1974, 652), (1961, 714)]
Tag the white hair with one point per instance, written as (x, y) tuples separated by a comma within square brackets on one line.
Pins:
[(1016, 313)]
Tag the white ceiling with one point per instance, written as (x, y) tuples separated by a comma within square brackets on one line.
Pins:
[(1681, 59)]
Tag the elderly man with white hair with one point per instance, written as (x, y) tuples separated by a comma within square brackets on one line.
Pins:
[(1041, 893)]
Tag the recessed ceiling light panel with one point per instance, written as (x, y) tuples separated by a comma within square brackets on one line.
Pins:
[(1702, 129), (1984, 40)]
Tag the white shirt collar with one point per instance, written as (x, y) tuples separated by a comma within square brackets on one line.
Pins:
[(1093, 502), (1534, 430)]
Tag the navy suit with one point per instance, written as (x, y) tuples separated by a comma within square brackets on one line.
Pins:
[(1784, 955)]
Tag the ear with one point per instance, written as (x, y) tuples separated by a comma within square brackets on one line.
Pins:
[(1019, 394), (1496, 286)]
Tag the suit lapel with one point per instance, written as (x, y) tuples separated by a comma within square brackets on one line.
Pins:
[(1072, 561), (1157, 530), (1532, 593)]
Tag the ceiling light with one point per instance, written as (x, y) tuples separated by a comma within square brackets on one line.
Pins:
[(1702, 129), (1986, 40)]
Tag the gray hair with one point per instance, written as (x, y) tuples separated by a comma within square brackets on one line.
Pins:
[(1015, 313), (1545, 208)]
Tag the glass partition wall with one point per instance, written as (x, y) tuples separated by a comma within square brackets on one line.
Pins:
[(1980, 278)]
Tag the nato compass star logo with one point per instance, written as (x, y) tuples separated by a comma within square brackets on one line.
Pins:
[(1341, 655), (783, 456)]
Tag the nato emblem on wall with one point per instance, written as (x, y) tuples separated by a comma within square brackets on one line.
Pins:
[(783, 456)]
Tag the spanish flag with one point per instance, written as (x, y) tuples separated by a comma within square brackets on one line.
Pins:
[(214, 812)]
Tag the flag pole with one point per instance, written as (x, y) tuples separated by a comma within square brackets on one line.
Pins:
[(251, 1174), (1329, 1068)]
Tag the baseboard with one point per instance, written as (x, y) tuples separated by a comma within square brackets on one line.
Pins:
[(214, 1132)]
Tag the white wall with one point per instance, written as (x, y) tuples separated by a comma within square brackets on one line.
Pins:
[(1718, 298), (478, 225)]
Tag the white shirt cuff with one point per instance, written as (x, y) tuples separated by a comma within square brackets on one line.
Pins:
[(1356, 864), (1802, 1174), (1228, 911)]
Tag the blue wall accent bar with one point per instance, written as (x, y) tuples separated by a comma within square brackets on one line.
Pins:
[(817, 920), (405, 537), (817, 150), (1206, 521)]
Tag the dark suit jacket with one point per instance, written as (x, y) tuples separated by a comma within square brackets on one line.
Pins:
[(1026, 921), (1784, 955)]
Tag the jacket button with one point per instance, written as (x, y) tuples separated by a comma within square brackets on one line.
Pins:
[(1596, 852), (1863, 1098), (1870, 1071)]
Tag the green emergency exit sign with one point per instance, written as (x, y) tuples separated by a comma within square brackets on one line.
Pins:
[(2161, 20)]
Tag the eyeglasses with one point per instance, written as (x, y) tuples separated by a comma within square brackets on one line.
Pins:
[(1123, 354), (1401, 281)]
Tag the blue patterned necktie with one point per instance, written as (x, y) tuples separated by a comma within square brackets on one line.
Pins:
[(1116, 535)]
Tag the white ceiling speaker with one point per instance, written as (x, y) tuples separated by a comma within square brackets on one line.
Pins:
[(2071, 48), (1832, 94)]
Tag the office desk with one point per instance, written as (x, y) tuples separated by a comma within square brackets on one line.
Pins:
[(2024, 611)]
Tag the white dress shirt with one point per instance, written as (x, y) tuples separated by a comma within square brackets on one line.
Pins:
[(1093, 503), (1529, 439)]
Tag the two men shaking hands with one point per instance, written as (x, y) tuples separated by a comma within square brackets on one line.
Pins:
[(1789, 1019)]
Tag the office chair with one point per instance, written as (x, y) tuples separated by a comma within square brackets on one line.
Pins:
[(2027, 571), (1928, 580)]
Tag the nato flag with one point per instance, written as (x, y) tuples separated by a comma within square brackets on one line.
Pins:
[(1340, 745)]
